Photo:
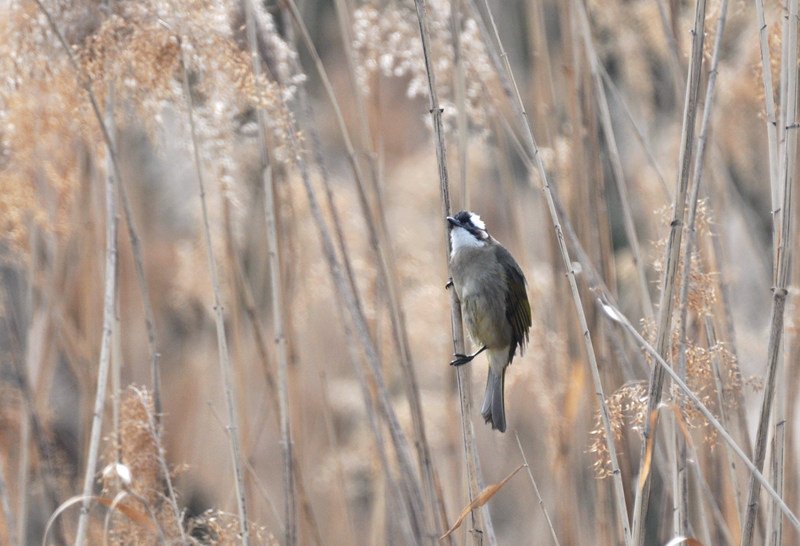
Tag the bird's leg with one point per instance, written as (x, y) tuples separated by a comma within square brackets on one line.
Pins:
[(463, 359)]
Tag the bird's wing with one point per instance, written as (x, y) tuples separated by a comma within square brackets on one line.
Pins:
[(518, 309)]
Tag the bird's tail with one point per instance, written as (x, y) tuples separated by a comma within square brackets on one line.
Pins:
[(493, 408)]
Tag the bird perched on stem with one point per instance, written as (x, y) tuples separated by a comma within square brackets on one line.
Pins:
[(491, 288)]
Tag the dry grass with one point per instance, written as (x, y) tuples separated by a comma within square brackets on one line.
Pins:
[(351, 481)]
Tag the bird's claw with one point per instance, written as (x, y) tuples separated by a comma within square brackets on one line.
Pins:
[(463, 359), (460, 359)]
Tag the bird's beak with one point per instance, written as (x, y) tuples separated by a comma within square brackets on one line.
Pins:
[(453, 221)]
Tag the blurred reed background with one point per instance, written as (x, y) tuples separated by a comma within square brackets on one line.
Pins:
[(224, 264)]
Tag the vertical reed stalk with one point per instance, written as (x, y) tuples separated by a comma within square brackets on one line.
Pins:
[(664, 332), (682, 491), (109, 298), (769, 103), (459, 87), (116, 349), (470, 447), (775, 537), (222, 343), (783, 255)]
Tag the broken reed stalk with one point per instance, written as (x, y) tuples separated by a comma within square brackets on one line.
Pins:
[(381, 246), (222, 343), (664, 327), (474, 478), (109, 298), (507, 75), (783, 252), (276, 287)]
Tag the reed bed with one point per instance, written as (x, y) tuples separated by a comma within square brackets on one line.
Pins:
[(224, 316)]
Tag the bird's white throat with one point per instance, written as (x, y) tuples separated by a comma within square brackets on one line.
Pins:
[(461, 238)]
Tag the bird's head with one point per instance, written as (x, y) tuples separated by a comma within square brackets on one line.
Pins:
[(467, 229)]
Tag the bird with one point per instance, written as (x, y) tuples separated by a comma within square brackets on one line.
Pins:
[(491, 287)]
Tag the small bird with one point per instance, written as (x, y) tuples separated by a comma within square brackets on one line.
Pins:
[(490, 285)]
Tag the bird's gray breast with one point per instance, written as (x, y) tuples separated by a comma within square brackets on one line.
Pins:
[(480, 284)]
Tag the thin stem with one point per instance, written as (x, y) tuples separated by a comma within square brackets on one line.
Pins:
[(673, 46), (640, 136), (252, 471), (109, 298), (222, 343), (778, 452), (45, 452), (337, 454), (459, 88), (276, 288), (769, 102), (536, 489)]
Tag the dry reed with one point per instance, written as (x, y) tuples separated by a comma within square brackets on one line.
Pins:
[(309, 269)]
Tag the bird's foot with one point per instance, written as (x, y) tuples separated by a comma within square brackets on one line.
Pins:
[(461, 359)]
